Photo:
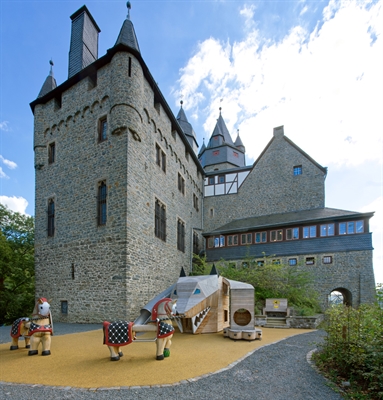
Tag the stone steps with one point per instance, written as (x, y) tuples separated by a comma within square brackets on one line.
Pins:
[(274, 322)]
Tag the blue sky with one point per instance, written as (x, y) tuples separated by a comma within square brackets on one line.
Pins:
[(313, 66)]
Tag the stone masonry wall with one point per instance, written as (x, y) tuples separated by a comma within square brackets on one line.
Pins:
[(351, 270), (270, 188), (111, 271)]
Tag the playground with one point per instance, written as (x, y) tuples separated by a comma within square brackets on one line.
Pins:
[(81, 360)]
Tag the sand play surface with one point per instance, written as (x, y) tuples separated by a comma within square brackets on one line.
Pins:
[(81, 360)]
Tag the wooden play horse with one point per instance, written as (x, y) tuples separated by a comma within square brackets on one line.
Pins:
[(122, 333), (37, 329)]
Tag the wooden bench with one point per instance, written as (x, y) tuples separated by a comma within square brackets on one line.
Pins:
[(276, 308)]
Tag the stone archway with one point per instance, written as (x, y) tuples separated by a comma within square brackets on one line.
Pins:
[(340, 296)]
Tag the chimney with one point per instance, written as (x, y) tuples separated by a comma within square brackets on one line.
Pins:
[(84, 41), (278, 132)]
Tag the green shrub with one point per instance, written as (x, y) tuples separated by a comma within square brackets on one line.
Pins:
[(353, 348)]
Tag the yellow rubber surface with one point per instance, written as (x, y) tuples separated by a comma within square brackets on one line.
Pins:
[(81, 360)]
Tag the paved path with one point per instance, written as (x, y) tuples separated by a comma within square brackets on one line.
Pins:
[(274, 372)]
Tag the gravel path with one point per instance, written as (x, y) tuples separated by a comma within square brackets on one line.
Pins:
[(274, 372)]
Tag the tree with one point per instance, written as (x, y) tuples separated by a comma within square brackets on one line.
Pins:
[(17, 275)]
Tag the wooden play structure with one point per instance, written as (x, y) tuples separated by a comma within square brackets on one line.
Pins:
[(210, 303), (37, 329), (241, 312), (122, 333)]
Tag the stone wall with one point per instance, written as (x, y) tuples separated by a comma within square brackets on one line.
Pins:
[(110, 271), (271, 187)]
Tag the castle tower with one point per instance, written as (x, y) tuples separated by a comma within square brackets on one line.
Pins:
[(221, 153), (119, 187)]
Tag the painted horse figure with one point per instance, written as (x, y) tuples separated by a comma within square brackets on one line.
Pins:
[(37, 329), (122, 333)]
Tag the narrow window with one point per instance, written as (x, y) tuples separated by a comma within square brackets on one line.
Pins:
[(211, 180), (101, 203), (211, 212), (51, 217), (327, 260), (160, 220), (130, 67), (64, 307), (221, 179), (181, 235), (51, 153), (195, 202), (160, 158), (181, 184), (297, 170), (195, 243), (102, 129)]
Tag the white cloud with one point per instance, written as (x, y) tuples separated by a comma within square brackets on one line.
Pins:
[(3, 175), (10, 164), (324, 86), (18, 204), (376, 227), (4, 126)]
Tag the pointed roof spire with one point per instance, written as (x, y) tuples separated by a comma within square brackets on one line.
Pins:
[(182, 273), (238, 142), (203, 148), (127, 34), (187, 128), (220, 131), (50, 82)]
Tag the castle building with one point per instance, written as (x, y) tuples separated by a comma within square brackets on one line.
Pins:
[(124, 198)]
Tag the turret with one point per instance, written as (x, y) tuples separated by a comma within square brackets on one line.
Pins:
[(187, 129), (49, 84)]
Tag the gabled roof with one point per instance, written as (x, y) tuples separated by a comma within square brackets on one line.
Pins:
[(279, 132), (283, 219)]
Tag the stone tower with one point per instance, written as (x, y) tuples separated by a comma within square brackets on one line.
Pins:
[(118, 185)]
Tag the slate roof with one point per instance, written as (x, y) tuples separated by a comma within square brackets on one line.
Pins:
[(186, 125), (49, 84), (319, 245), (297, 217), (220, 130), (128, 36)]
